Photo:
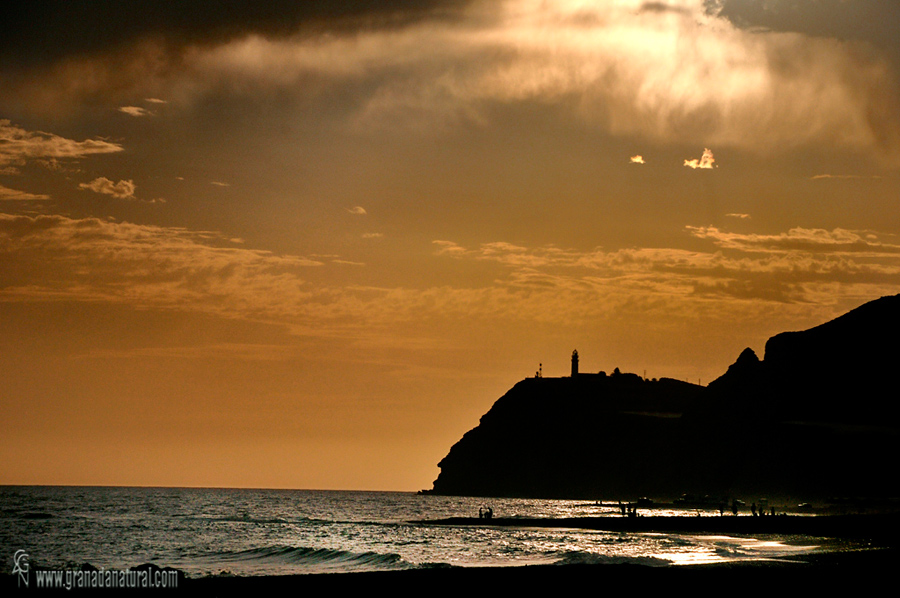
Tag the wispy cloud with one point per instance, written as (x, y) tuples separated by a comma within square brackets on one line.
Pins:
[(707, 160), (637, 159), (7, 194), (135, 111), (802, 239), (348, 262), (18, 146), (150, 266), (220, 184), (445, 247), (121, 190), (739, 216), (357, 210), (843, 176), (788, 267)]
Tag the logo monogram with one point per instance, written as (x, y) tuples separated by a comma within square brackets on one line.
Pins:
[(20, 566)]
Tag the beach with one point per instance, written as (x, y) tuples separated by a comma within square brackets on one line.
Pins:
[(826, 571), (223, 541), (856, 571)]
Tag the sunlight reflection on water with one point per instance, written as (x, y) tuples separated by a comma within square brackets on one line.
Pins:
[(255, 532)]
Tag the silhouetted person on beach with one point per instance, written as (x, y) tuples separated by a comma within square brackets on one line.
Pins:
[(753, 509), (734, 507)]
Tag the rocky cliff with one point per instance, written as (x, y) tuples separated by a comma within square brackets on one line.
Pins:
[(815, 419)]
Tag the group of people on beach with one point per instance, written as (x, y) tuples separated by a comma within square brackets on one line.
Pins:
[(762, 510), (737, 504), (631, 509)]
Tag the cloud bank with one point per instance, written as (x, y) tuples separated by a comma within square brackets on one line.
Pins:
[(801, 266), (674, 71), (169, 268)]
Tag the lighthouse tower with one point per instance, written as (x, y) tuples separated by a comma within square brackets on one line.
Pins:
[(574, 363)]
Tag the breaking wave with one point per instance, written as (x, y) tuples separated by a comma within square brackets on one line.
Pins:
[(304, 559)]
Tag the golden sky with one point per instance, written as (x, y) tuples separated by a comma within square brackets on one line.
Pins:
[(307, 245)]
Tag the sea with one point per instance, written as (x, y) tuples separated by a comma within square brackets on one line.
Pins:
[(244, 532)]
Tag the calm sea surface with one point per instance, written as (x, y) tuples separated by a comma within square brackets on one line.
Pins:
[(262, 532)]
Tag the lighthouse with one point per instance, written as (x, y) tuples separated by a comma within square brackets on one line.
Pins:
[(574, 363)]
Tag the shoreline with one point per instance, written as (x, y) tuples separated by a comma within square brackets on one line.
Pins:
[(827, 571), (878, 527), (874, 559), (819, 571)]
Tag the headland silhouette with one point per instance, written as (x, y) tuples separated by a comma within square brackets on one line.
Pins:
[(815, 420)]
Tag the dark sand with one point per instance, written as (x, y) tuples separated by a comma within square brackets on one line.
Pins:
[(859, 572)]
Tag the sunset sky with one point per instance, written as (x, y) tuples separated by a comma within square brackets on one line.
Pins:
[(308, 244)]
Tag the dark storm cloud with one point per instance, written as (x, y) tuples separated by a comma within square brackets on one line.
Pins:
[(43, 31), (876, 21), (674, 70)]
